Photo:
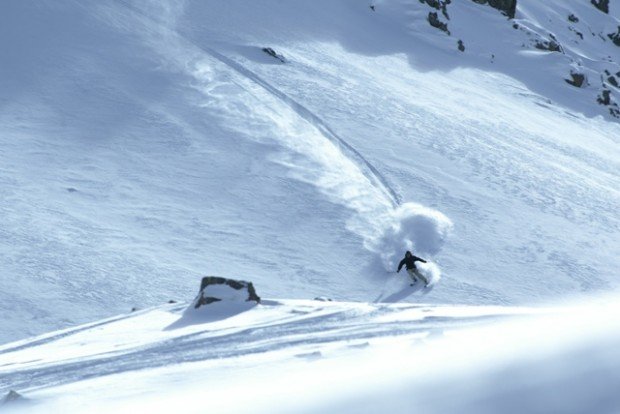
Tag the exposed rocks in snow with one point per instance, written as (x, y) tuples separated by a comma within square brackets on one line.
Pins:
[(461, 46), (550, 45), (215, 289), (11, 397), (602, 5), (615, 37), (577, 32), (605, 98), (612, 79), (572, 18), (171, 301), (433, 19), (322, 299), (578, 79), (273, 54), (439, 5), (372, 7), (508, 7)]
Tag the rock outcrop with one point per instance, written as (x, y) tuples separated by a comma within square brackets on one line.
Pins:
[(605, 99), (577, 79), (273, 54), (508, 7), (216, 289), (433, 19), (439, 5), (602, 5), (615, 37)]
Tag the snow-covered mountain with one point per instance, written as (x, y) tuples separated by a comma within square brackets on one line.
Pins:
[(302, 145), (148, 143)]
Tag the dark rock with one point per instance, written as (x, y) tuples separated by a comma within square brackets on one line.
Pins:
[(172, 301), (612, 79), (322, 299), (461, 45), (573, 18), (435, 4), (550, 45), (434, 21), (515, 26), (273, 54), (204, 298), (615, 37), (578, 79), (12, 396), (439, 5), (71, 190), (134, 309), (604, 98), (508, 7), (602, 5), (577, 32), (372, 7)]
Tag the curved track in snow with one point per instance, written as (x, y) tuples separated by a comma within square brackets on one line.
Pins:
[(369, 170)]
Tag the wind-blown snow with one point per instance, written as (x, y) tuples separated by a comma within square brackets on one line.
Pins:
[(310, 356)]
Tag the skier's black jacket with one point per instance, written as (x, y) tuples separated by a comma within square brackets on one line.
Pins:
[(409, 261)]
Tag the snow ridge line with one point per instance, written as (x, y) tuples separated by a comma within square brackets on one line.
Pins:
[(369, 170), (187, 348), (56, 335)]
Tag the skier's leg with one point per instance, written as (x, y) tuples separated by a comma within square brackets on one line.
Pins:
[(412, 274), (421, 276)]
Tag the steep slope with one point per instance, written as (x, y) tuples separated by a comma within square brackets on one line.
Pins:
[(146, 143)]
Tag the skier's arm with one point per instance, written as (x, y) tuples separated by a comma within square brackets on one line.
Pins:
[(400, 265), (417, 259)]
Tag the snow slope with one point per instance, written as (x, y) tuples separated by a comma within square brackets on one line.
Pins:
[(309, 356), (144, 144)]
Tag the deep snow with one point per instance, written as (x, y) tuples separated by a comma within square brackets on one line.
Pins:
[(309, 356), (144, 144), (147, 143)]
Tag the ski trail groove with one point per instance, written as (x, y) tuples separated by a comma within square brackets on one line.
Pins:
[(367, 168)]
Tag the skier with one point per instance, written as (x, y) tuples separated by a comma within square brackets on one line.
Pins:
[(409, 261)]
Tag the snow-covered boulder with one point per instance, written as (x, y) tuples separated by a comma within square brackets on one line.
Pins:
[(216, 289), (219, 298)]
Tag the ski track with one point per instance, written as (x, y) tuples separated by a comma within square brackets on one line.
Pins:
[(337, 326), (370, 171)]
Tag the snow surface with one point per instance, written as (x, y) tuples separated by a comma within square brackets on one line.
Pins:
[(145, 144), (311, 356)]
